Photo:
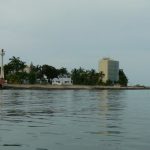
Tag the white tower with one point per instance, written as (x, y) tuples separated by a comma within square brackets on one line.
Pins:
[(2, 53)]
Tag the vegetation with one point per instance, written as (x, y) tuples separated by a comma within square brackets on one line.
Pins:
[(16, 71), (122, 78), (84, 77)]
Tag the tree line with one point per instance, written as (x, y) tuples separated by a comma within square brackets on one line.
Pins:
[(15, 73)]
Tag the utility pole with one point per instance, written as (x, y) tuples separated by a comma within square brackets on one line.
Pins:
[(2, 53)]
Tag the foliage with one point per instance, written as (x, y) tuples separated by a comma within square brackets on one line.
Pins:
[(7, 69), (49, 71), (15, 73), (14, 70), (109, 83), (15, 64), (100, 79), (17, 77), (84, 77), (123, 80), (62, 71), (32, 77)]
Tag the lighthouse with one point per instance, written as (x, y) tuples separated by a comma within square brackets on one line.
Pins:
[(2, 53)]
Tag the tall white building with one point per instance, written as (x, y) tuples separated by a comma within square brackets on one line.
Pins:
[(110, 69)]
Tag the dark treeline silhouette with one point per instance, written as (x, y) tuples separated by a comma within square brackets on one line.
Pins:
[(16, 71)]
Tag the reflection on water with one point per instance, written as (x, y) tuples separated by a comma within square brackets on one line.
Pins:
[(43, 120), (111, 111)]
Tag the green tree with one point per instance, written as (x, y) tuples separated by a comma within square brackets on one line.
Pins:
[(32, 77), (49, 71), (14, 70), (38, 71), (16, 64), (62, 71), (78, 76), (84, 77), (7, 69), (123, 80), (18, 77), (101, 76), (108, 83)]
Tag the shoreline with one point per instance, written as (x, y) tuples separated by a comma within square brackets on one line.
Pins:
[(70, 87)]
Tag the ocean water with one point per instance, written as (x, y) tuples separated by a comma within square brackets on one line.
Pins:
[(74, 120)]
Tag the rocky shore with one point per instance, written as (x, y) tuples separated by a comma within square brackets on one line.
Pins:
[(71, 87)]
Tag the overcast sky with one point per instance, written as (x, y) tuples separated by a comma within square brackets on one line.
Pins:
[(74, 33)]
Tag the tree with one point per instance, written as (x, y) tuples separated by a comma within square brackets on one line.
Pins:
[(109, 83), (18, 77), (14, 70), (101, 76), (32, 77), (38, 71), (123, 80), (49, 71), (84, 77), (78, 76), (75, 76), (7, 69), (16, 64), (62, 71)]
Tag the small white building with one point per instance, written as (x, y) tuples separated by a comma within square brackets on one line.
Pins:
[(27, 69), (62, 80)]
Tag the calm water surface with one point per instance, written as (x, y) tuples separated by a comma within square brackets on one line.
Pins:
[(74, 120)]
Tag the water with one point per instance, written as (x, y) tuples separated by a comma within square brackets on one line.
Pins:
[(74, 120)]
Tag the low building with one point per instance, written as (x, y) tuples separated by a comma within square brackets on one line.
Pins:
[(62, 80), (27, 69), (110, 69)]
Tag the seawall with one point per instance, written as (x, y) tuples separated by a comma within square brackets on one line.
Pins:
[(71, 87)]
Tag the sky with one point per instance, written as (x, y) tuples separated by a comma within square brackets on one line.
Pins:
[(78, 33)]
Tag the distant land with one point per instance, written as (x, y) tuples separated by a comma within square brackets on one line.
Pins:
[(71, 87)]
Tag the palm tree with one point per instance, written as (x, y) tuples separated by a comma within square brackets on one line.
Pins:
[(101, 76), (16, 64)]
